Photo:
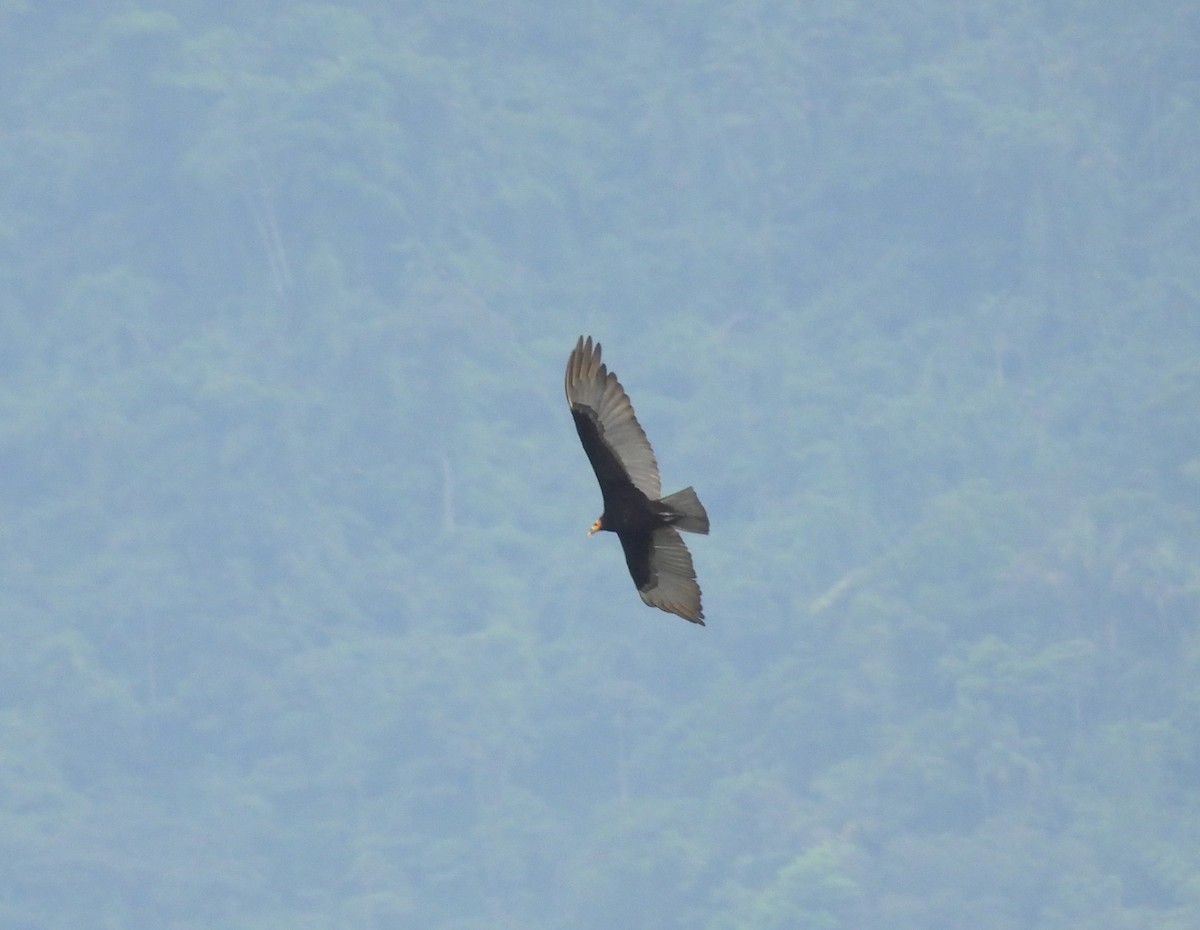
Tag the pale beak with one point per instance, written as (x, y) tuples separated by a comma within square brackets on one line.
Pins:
[(596, 527)]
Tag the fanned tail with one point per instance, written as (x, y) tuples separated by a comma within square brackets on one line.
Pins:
[(690, 513)]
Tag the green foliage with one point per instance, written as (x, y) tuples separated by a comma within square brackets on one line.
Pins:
[(302, 626)]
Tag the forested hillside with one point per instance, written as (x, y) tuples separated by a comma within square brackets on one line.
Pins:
[(302, 628)]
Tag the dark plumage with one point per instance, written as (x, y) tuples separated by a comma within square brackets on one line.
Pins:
[(624, 463)]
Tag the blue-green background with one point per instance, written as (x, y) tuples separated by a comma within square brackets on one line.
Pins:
[(299, 624)]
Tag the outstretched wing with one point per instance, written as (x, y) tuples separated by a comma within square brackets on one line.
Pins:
[(611, 435), (661, 567)]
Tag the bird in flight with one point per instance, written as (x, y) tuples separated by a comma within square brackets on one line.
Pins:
[(647, 524)]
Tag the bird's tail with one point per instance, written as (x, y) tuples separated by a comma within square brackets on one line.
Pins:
[(689, 512)]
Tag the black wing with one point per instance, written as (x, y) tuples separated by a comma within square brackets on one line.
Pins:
[(611, 435), (662, 569)]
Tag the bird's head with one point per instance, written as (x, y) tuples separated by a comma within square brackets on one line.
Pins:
[(597, 526)]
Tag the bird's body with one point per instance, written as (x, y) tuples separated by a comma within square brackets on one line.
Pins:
[(627, 472)]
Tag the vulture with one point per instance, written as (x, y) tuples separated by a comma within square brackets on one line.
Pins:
[(646, 523)]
